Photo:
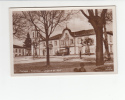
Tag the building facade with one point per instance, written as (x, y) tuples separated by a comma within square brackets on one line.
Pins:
[(20, 51), (69, 43)]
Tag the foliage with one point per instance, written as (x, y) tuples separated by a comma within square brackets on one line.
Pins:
[(27, 42), (20, 26), (88, 41)]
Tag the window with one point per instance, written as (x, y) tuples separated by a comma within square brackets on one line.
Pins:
[(19, 50), (22, 51), (62, 42), (79, 40), (38, 34), (55, 43), (44, 44), (16, 50), (33, 34), (111, 48), (50, 42), (50, 51), (66, 36), (71, 41), (110, 38)]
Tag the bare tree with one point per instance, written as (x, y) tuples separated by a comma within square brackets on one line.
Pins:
[(20, 26), (107, 20), (46, 22), (97, 21)]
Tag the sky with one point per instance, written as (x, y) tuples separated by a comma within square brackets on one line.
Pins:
[(76, 23)]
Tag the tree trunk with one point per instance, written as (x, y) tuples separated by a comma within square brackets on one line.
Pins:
[(106, 43), (97, 22), (47, 49), (99, 46)]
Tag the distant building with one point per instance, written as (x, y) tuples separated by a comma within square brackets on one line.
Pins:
[(18, 51), (69, 42)]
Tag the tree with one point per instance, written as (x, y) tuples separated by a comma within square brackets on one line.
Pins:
[(46, 22), (20, 26), (107, 20), (97, 22), (87, 42), (27, 43)]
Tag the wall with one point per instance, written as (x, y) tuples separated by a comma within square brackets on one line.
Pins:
[(19, 52)]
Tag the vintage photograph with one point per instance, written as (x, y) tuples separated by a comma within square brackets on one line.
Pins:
[(63, 40)]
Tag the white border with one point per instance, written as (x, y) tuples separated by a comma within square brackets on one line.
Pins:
[(65, 8)]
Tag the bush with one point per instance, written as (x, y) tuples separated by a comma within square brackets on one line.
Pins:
[(76, 70), (82, 69)]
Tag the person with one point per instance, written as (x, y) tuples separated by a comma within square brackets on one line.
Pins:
[(80, 55), (63, 56), (82, 69)]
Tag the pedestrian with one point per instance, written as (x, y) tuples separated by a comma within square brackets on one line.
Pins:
[(82, 69), (63, 56), (80, 55)]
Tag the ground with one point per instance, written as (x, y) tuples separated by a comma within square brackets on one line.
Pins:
[(70, 63)]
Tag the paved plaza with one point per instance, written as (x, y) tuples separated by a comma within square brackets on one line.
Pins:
[(68, 58)]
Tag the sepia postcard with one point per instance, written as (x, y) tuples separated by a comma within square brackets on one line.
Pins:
[(63, 40)]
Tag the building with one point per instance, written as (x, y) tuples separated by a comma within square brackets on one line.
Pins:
[(18, 50), (70, 42)]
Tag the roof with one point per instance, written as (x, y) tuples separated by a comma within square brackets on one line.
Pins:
[(56, 37), (16, 46), (77, 34), (83, 33)]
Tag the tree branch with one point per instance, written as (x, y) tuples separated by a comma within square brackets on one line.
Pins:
[(84, 14), (96, 12)]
